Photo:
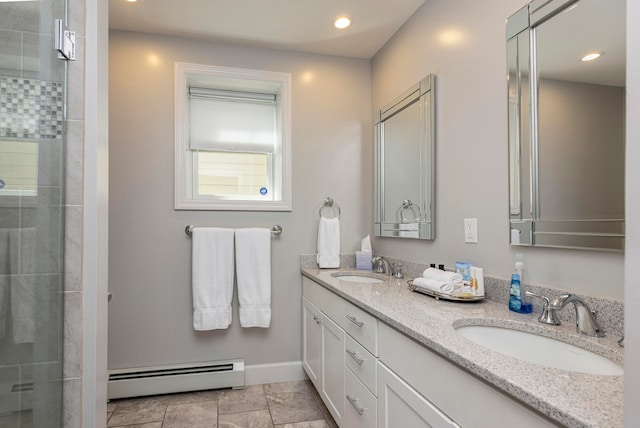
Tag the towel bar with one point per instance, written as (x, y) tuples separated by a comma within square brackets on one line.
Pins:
[(275, 230)]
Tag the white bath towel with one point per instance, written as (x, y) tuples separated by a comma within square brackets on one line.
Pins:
[(434, 285), (329, 243), (442, 275), (253, 266), (212, 277)]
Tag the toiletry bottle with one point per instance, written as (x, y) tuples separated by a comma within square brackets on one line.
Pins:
[(517, 298), (479, 281)]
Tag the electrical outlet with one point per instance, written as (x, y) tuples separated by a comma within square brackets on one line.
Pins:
[(471, 230)]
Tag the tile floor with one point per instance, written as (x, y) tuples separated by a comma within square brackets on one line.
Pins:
[(275, 405)]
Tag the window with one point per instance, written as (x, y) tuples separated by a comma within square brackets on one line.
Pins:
[(233, 149)]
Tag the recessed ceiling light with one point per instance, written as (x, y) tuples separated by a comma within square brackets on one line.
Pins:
[(132, 1), (342, 22), (591, 56)]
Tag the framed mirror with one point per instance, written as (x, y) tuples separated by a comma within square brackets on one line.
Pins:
[(566, 124), (404, 164)]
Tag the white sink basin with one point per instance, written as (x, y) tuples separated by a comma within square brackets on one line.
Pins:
[(540, 350), (354, 277)]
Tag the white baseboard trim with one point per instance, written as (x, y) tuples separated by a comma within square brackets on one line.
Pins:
[(271, 373)]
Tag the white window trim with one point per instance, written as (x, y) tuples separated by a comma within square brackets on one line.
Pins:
[(182, 173)]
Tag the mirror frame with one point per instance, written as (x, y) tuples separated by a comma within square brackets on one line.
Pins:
[(526, 228), (423, 93)]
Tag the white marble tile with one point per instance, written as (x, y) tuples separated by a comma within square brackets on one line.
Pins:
[(255, 419), (74, 163), (72, 366), (202, 414), (242, 400)]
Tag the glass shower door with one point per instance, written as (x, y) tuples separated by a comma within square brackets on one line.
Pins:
[(32, 147)]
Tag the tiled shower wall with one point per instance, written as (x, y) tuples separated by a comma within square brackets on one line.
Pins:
[(27, 73), (74, 209)]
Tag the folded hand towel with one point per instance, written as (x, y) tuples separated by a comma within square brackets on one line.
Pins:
[(329, 243), (409, 230), (434, 285), (441, 275), (212, 280), (253, 265)]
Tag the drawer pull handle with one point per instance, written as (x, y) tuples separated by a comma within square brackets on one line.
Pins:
[(355, 357), (355, 320), (354, 403), (317, 319)]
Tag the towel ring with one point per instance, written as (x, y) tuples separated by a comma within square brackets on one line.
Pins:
[(408, 205), (328, 203)]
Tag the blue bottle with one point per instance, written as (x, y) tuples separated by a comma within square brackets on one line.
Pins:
[(517, 299)]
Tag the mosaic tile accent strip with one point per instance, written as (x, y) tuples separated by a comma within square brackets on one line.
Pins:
[(31, 108)]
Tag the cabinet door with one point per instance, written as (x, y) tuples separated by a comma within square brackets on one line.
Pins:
[(399, 405), (311, 342), (332, 361)]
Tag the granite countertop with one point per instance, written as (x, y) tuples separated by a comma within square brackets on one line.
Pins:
[(572, 399)]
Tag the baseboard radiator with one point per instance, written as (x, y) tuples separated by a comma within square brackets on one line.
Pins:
[(143, 381)]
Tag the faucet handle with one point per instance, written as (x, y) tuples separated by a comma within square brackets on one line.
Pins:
[(548, 314), (397, 270)]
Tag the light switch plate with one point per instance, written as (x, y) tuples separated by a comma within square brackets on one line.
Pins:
[(471, 230)]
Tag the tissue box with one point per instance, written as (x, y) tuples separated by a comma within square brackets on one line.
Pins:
[(363, 260)]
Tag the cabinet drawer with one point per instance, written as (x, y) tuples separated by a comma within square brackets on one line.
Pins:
[(360, 405), (361, 363), (361, 326), (329, 303)]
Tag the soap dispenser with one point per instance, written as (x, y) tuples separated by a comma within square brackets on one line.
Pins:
[(518, 301)]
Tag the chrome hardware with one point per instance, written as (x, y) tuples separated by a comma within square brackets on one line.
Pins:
[(328, 203), (276, 230), (354, 403), (354, 320), (397, 270), (317, 319), (64, 41), (585, 318), (355, 357), (109, 296), (621, 342), (381, 265), (408, 204), (548, 315)]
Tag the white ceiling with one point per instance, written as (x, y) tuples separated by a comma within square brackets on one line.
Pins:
[(301, 25)]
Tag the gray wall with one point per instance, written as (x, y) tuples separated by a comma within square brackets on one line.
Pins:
[(581, 146), (464, 44), (149, 254)]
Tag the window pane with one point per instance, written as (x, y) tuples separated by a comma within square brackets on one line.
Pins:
[(233, 174), (19, 167)]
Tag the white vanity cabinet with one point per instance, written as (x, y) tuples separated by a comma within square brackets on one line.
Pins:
[(458, 396), (339, 342)]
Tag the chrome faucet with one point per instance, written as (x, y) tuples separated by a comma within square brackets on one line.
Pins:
[(548, 314), (585, 318), (381, 265)]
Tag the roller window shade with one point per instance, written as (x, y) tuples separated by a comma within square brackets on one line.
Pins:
[(227, 124)]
